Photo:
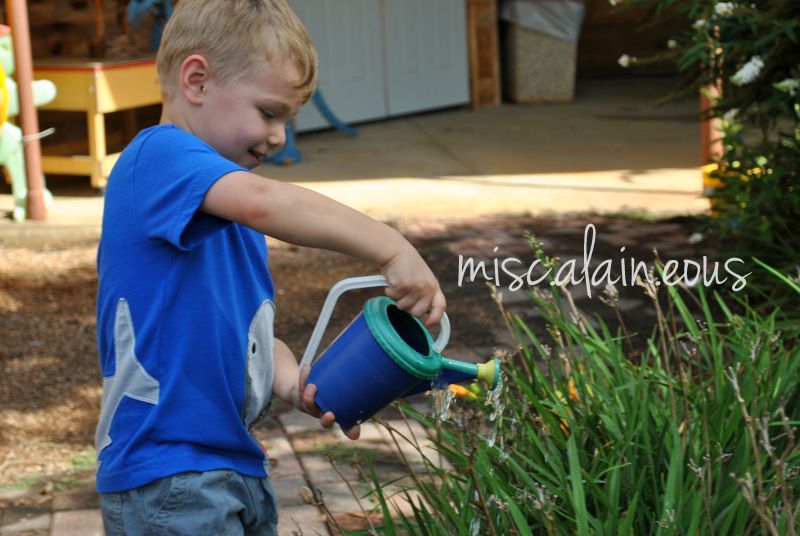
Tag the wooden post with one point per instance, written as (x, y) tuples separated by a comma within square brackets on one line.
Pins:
[(711, 148), (484, 53), (98, 47), (17, 13)]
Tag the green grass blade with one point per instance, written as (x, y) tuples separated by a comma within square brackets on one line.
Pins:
[(577, 498)]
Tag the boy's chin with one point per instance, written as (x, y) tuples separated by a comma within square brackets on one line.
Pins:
[(251, 162)]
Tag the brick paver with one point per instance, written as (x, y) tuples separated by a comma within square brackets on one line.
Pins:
[(25, 519), (77, 523)]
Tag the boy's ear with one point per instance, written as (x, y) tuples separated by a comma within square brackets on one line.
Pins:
[(195, 74)]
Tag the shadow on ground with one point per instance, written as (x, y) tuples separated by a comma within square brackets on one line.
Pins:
[(51, 388)]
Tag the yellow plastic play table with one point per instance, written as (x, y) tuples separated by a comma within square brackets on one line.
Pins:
[(96, 88)]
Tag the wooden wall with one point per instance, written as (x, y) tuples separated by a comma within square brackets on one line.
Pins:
[(84, 29), (609, 32), (71, 28)]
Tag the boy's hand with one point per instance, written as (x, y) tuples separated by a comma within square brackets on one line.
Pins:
[(305, 403), (413, 286)]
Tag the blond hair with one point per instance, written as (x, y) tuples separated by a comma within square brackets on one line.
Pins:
[(233, 35)]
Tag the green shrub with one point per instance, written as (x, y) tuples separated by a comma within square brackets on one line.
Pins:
[(698, 436), (749, 52)]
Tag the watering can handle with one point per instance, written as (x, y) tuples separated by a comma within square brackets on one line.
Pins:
[(330, 301)]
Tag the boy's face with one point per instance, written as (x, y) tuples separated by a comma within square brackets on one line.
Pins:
[(246, 119)]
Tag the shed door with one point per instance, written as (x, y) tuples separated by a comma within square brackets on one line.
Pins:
[(380, 58), (348, 39), (426, 54)]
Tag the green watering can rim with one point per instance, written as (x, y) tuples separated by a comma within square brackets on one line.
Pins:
[(423, 366)]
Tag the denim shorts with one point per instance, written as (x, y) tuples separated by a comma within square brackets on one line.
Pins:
[(212, 503)]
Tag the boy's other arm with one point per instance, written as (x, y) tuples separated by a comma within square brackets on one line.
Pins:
[(290, 386), (303, 217)]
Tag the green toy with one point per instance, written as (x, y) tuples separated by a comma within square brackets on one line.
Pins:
[(12, 156)]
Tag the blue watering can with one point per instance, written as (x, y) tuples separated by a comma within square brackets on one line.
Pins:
[(382, 355)]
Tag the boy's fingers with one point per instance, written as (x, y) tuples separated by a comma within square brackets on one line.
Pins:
[(406, 302), (430, 310), (327, 420), (421, 307), (438, 305), (352, 433), (308, 404)]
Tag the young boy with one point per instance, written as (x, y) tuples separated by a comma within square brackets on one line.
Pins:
[(185, 305)]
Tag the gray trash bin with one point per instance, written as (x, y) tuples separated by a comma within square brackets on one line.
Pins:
[(540, 49)]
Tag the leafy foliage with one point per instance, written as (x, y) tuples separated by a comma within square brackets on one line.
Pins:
[(746, 56), (698, 435)]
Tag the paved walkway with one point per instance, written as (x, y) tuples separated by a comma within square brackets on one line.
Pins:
[(439, 176), (303, 456)]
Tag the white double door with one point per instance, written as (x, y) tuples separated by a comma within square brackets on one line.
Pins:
[(381, 58)]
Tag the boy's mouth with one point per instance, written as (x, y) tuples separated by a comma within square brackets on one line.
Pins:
[(257, 157)]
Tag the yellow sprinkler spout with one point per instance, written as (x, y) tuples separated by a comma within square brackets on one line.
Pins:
[(489, 372)]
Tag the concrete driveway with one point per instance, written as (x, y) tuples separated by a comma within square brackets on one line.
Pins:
[(611, 150)]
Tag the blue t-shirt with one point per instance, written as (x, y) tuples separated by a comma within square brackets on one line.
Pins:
[(184, 319)]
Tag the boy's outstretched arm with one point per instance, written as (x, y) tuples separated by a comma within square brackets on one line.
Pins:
[(290, 386), (303, 217)]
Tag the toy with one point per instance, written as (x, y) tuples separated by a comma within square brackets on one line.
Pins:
[(384, 354), (290, 153), (12, 156), (138, 10)]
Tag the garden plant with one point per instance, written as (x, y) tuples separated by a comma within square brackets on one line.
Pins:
[(745, 57), (697, 433)]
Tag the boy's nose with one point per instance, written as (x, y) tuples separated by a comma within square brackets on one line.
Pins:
[(277, 136)]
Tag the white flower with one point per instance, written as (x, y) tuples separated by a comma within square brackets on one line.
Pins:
[(626, 60), (672, 44), (790, 86), (699, 23), (723, 9), (748, 72), (730, 115), (615, 3), (695, 238)]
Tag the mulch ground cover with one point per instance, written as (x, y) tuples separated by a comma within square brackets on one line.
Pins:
[(51, 386)]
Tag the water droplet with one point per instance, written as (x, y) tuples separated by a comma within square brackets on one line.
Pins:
[(442, 399), (475, 527), (495, 399)]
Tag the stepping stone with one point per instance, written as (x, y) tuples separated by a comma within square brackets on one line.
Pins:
[(295, 422), (305, 519), (76, 499), (24, 518), (77, 523), (282, 458)]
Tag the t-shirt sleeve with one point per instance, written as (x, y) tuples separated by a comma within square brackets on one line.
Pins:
[(173, 172)]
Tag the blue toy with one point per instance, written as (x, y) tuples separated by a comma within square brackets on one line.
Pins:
[(138, 10), (290, 153)]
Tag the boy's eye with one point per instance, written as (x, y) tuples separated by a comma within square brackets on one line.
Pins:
[(267, 114)]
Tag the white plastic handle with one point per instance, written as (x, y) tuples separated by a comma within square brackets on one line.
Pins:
[(330, 302)]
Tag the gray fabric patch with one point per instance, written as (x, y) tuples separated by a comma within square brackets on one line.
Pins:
[(130, 378), (260, 363)]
